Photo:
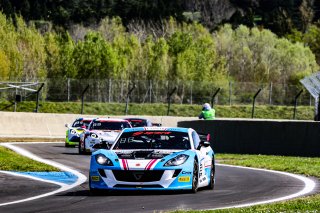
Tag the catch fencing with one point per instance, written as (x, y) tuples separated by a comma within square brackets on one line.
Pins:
[(185, 92)]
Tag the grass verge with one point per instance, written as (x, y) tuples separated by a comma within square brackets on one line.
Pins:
[(298, 165), (11, 161)]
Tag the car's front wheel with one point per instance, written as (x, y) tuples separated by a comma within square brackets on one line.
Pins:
[(81, 147), (212, 176), (195, 177)]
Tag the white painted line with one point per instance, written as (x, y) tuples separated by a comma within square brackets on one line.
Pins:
[(64, 187), (309, 186)]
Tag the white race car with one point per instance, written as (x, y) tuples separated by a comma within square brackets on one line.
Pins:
[(101, 134), (73, 132)]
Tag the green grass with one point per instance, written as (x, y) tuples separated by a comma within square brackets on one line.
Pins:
[(299, 165), (11, 161), (309, 204), (186, 110), (309, 166)]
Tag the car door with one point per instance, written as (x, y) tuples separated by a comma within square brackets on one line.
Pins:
[(205, 160)]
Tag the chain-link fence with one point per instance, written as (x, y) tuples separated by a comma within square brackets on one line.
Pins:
[(116, 91)]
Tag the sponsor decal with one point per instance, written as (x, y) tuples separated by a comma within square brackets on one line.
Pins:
[(201, 170), (95, 178), (186, 173), (184, 179), (203, 179), (151, 133)]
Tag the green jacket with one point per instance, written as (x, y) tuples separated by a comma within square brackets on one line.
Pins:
[(208, 114)]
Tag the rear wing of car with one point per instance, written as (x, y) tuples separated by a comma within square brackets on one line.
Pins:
[(204, 136)]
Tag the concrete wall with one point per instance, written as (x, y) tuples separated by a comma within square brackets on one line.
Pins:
[(252, 136), (284, 137), (24, 124)]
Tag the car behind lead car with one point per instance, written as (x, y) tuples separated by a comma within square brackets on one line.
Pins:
[(154, 158)]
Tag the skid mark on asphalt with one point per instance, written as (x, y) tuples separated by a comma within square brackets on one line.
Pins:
[(80, 178)]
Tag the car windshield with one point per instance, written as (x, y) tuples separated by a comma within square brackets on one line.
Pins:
[(81, 123), (138, 123), (153, 140), (109, 125)]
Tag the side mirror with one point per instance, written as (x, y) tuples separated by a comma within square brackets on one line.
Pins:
[(66, 125)]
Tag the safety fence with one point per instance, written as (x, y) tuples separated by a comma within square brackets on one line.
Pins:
[(139, 91)]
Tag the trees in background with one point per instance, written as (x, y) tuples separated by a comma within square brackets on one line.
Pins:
[(255, 55), (172, 51)]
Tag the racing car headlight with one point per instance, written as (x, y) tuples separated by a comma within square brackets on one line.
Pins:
[(176, 161), (103, 160), (72, 131), (93, 135)]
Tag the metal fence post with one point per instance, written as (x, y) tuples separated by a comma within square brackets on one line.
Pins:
[(270, 93), (82, 97), (230, 92), (295, 104), (214, 95), (68, 89), (109, 91), (38, 91), (191, 92), (318, 109), (128, 97), (169, 99), (253, 102)]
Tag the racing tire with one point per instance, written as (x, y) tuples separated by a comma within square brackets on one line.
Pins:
[(195, 177), (81, 151), (212, 177)]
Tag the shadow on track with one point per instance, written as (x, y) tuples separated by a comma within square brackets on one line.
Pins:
[(124, 193)]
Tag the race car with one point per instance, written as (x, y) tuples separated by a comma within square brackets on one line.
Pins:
[(154, 158), (73, 132), (101, 134), (141, 122)]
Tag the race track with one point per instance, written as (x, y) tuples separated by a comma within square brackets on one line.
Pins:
[(234, 186)]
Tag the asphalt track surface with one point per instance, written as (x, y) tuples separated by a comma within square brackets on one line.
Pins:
[(234, 186)]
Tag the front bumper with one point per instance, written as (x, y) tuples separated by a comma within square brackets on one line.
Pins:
[(175, 179), (74, 140)]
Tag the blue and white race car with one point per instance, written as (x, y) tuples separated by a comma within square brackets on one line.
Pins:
[(154, 158)]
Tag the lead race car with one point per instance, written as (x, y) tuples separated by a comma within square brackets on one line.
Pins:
[(154, 158), (101, 133)]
